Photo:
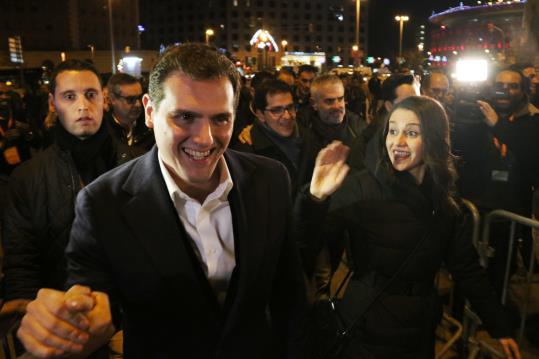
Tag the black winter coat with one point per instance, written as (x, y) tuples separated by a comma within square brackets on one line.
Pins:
[(37, 221), (384, 223)]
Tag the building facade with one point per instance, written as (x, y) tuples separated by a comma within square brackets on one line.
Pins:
[(69, 25), (296, 26), (492, 31)]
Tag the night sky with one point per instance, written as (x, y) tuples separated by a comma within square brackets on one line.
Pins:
[(384, 30)]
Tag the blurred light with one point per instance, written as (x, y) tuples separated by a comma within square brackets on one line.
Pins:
[(9, 83), (336, 59), (63, 56), (340, 17), (487, 51), (455, 53), (472, 70), (386, 61), (370, 60), (141, 28), (130, 65), (209, 32), (355, 48)]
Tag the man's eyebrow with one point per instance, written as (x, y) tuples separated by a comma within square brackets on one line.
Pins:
[(180, 111)]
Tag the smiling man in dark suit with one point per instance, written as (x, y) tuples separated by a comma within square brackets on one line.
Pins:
[(186, 249)]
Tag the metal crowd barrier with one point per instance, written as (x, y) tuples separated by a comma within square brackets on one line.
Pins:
[(524, 221), (470, 320)]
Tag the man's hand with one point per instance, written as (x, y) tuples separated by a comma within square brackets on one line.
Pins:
[(510, 348), (245, 135), (66, 323), (330, 170), (491, 117)]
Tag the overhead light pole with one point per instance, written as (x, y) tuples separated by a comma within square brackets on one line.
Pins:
[(401, 19), (209, 32), (111, 34)]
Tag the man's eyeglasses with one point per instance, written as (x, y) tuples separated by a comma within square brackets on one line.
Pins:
[(279, 111), (131, 100), (509, 85)]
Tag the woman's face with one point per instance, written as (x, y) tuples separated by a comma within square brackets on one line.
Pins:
[(404, 143)]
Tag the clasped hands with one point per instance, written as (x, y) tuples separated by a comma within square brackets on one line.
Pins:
[(68, 324)]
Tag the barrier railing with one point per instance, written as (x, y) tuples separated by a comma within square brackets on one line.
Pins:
[(524, 221)]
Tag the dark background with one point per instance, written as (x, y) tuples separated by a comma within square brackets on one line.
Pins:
[(384, 30)]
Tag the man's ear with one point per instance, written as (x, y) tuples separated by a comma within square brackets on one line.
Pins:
[(313, 103), (149, 109), (52, 108), (388, 105), (259, 115)]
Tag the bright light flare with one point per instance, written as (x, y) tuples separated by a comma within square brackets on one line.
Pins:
[(472, 70)]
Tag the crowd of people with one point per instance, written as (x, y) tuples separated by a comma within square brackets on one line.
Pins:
[(210, 216)]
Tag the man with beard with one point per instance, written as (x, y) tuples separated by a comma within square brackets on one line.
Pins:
[(306, 75), (531, 74), (327, 116), (125, 117), (515, 124)]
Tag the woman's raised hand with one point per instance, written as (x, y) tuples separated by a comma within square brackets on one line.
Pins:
[(330, 170)]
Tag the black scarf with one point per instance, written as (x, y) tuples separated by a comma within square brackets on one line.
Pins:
[(93, 156), (329, 132), (291, 146)]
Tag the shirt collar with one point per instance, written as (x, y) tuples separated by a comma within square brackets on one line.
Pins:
[(220, 193)]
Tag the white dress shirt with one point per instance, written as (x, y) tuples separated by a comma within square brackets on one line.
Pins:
[(209, 226)]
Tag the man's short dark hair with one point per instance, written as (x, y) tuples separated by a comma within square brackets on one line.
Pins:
[(199, 62), (270, 87), (307, 68), (72, 65), (260, 77), (390, 85), (119, 79)]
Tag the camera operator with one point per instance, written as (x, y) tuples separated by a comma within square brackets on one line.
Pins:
[(515, 124)]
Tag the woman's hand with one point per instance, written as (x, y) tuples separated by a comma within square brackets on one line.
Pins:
[(510, 348), (330, 170)]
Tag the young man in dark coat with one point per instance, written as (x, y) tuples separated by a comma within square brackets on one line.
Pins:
[(41, 192), (188, 247)]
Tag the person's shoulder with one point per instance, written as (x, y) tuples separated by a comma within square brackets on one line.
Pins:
[(265, 166), (38, 165), (114, 179)]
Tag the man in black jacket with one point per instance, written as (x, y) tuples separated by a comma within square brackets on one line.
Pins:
[(41, 192), (187, 248), (276, 134), (125, 117)]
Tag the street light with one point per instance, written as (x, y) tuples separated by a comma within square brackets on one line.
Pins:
[(358, 20), (111, 34), (209, 32), (401, 19), (491, 27), (92, 50), (284, 43)]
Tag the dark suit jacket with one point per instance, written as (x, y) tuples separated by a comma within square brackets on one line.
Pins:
[(127, 240)]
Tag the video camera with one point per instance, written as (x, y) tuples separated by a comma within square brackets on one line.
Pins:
[(472, 86)]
